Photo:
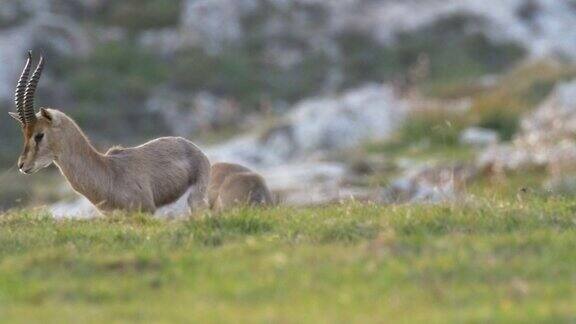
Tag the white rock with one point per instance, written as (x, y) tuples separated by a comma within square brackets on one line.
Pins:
[(189, 114), (371, 112), (79, 208), (320, 125), (214, 23), (479, 137)]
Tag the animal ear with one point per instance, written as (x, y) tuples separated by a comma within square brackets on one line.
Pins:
[(46, 114), (15, 116)]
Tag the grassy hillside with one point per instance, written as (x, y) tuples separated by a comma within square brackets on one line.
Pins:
[(489, 260)]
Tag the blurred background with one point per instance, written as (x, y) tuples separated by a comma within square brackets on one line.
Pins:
[(383, 100)]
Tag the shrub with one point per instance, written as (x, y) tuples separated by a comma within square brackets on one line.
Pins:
[(247, 77), (454, 53), (438, 128), (137, 15), (500, 107), (111, 87)]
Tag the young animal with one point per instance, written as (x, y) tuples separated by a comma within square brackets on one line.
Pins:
[(141, 178), (232, 185)]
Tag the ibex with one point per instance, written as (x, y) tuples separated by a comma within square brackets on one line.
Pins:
[(233, 185), (141, 178)]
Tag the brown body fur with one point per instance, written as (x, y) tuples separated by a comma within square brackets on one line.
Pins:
[(232, 185), (141, 178)]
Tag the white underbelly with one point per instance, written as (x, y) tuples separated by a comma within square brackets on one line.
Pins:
[(83, 209), (179, 208)]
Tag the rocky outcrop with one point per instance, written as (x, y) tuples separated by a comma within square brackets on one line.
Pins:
[(547, 138), (193, 113), (283, 28), (543, 27), (319, 125)]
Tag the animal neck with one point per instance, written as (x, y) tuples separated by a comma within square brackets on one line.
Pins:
[(83, 166)]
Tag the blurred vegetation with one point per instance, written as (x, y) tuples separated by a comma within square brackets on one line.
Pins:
[(17, 190), (11, 134), (248, 77), (500, 104), (107, 90), (138, 15), (130, 15), (499, 107), (12, 14), (454, 54), (432, 136), (117, 77), (111, 87)]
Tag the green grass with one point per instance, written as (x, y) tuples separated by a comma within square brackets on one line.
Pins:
[(484, 261), (427, 136)]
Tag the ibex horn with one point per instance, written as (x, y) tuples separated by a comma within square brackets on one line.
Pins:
[(21, 88), (29, 114)]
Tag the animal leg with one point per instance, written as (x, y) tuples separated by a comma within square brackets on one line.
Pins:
[(145, 204), (197, 200)]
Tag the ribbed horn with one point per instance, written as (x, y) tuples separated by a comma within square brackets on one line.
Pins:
[(29, 113), (21, 88)]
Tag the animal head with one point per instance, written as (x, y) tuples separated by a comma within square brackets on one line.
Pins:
[(37, 128)]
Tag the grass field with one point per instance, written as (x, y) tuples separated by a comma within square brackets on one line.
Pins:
[(483, 261)]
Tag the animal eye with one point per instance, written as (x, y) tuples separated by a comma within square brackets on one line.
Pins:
[(39, 137)]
